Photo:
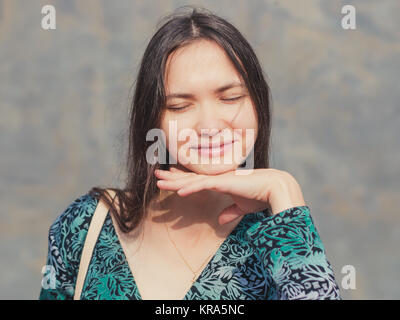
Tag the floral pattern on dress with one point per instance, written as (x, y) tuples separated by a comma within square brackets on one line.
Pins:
[(263, 258)]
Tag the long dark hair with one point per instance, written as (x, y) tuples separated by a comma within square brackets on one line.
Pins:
[(177, 30)]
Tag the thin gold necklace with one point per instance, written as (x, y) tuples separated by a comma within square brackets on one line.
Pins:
[(184, 260)]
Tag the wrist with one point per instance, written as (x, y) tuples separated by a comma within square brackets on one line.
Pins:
[(285, 193)]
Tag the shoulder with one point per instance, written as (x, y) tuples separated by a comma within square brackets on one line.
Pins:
[(66, 238), (77, 215), (67, 233)]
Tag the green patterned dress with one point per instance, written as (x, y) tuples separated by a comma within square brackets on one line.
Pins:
[(279, 257)]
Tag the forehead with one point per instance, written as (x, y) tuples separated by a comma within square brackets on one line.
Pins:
[(202, 65)]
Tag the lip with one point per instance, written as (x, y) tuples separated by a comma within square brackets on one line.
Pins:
[(218, 150), (213, 145)]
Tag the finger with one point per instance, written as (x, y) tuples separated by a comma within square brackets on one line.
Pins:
[(196, 186), (176, 184), (176, 170), (169, 175), (214, 183)]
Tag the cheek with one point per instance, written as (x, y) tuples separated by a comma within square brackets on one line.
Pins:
[(248, 124), (247, 121), (172, 129)]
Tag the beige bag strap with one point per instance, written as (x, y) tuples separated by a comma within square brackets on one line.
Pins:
[(96, 224)]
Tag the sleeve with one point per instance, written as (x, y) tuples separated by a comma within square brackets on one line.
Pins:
[(293, 256), (65, 244)]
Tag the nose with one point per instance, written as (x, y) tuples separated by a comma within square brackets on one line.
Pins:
[(209, 122), (208, 132)]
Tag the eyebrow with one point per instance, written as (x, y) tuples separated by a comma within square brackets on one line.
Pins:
[(218, 90)]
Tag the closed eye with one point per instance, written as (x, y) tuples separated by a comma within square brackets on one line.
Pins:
[(177, 109), (184, 107), (232, 99)]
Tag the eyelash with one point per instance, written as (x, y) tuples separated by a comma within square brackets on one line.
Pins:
[(182, 108)]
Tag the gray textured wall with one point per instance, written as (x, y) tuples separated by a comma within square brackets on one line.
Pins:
[(64, 96)]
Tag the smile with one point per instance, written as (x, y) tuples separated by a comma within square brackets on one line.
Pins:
[(214, 150)]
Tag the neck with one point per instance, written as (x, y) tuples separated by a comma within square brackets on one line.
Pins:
[(197, 211)]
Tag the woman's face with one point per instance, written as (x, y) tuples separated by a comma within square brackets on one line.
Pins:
[(197, 115)]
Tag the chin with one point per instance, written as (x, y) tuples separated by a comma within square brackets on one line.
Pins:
[(211, 169), (206, 166)]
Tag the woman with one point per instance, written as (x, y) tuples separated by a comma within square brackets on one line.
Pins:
[(187, 228)]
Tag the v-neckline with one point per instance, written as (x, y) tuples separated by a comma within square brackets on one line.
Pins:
[(208, 265)]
